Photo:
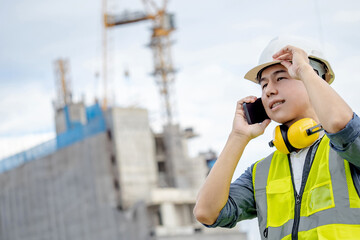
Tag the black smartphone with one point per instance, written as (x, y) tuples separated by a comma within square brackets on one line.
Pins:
[(255, 112)]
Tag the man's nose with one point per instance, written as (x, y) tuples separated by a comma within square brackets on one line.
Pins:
[(271, 89)]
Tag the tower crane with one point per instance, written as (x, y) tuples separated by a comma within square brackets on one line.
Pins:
[(163, 26), (63, 84)]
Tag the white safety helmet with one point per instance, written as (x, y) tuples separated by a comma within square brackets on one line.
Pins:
[(316, 58)]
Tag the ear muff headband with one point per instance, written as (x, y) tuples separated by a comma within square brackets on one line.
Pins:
[(288, 142)]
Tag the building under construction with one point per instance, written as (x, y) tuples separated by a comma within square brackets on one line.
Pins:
[(106, 176)]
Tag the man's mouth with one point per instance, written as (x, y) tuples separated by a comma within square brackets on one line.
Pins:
[(275, 104)]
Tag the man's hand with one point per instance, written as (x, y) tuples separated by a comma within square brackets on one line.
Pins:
[(332, 111), (294, 59), (241, 126)]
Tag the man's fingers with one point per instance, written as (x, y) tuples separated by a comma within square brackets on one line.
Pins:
[(286, 64), (286, 56), (288, 50), (282, 51), (239, 106), (249, 99), (264, 124)]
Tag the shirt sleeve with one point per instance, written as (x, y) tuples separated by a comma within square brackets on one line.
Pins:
[(347, 141), (240, 204)]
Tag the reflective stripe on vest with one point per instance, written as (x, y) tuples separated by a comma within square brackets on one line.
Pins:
[(330, 205)]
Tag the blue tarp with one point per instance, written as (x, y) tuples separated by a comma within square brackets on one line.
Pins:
[(75, 133)]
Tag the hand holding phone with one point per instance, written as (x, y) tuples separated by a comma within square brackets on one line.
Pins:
[(255, 112)]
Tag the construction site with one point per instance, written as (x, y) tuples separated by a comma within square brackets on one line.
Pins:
[(107, 174)]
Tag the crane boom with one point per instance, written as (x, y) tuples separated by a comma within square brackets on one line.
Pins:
[(125, 18), (163, 26)]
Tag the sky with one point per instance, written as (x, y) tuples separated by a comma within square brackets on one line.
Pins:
[(214, 45)]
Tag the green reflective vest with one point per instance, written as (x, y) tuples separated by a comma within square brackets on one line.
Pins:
[(327, 206)]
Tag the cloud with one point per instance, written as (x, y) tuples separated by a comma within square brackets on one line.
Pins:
[(252, 24), (25, 108), (350, 16), (45, 10)]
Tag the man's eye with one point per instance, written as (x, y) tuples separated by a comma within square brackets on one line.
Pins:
[(281, 78), (263, 86)]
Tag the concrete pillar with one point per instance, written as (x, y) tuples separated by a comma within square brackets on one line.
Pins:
[(168, 214)]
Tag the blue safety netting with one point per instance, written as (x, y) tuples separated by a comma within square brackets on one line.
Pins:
[(210, 162), (75, 133)]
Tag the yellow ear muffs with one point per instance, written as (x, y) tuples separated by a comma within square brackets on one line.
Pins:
[(280, 139), (301, 134)]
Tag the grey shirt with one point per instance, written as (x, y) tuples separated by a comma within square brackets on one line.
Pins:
[(241, 203)]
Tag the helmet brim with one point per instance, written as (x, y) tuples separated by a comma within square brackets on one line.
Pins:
[(252, 75)]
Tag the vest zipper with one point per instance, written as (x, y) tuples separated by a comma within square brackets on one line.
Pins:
[(298, 197)]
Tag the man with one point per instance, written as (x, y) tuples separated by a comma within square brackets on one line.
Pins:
[(304, 193)]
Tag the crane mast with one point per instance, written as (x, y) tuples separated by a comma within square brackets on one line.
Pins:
[(105, 100), (163, 26), (63, 85)]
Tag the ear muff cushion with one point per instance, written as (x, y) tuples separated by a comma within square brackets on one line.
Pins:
[(278, 141), (297, 135)]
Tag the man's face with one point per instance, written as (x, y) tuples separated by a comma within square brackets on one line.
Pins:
[(285, 99)]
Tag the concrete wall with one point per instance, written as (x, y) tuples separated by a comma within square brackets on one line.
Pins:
[(67, 195), (182, 171), (135, 154), (176, 158), (197, 172)]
